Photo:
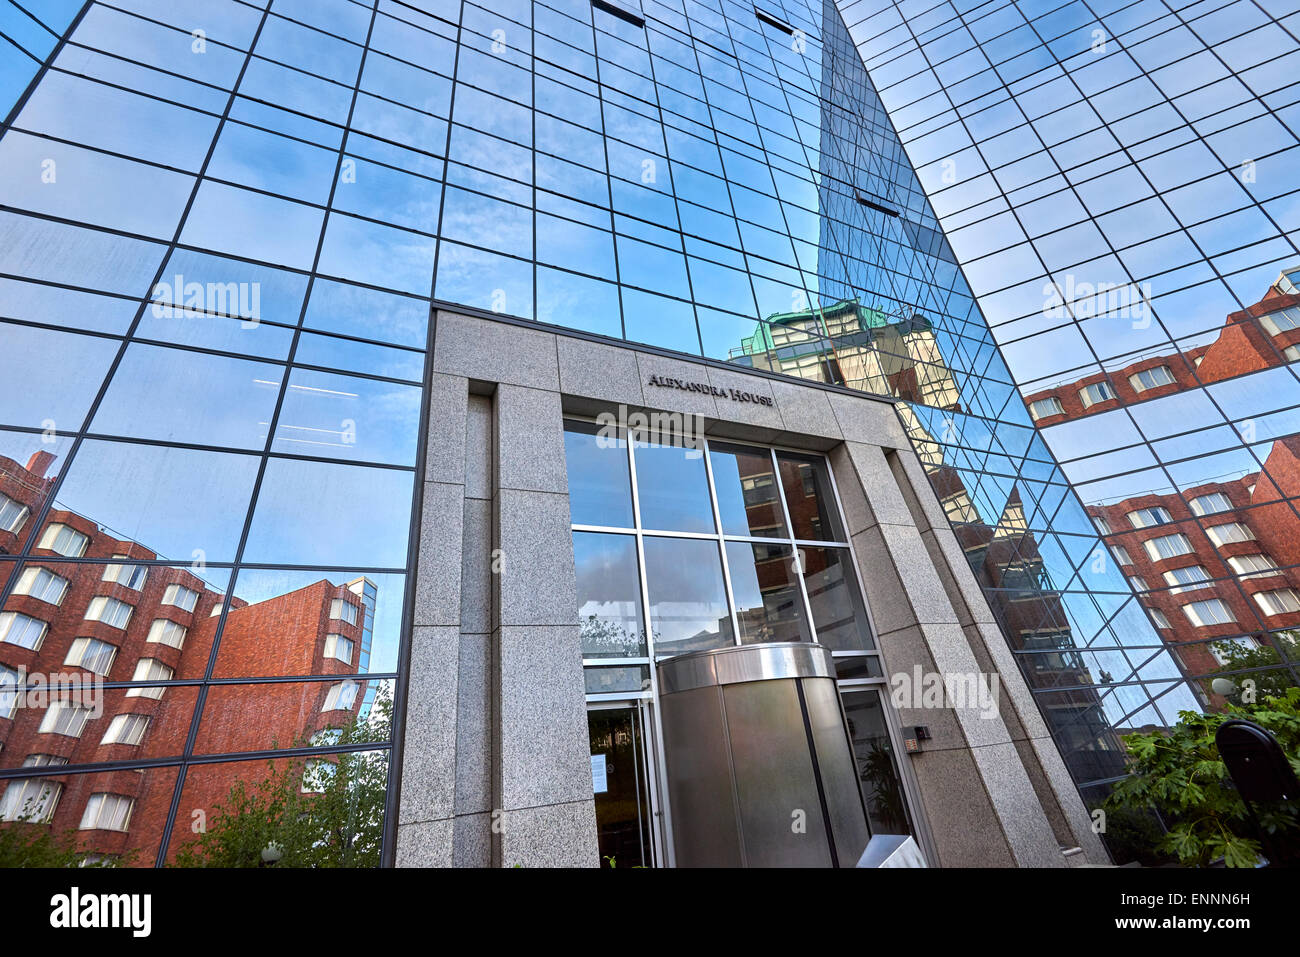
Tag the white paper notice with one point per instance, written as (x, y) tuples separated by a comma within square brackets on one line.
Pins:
[(599, 780)]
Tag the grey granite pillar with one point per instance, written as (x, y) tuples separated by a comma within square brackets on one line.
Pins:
[(978, 796), (425, 831), (495, 762), (546, 814)]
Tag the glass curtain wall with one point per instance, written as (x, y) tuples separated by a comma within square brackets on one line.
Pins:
[(223, 226), (1118, 181), (210, 428)]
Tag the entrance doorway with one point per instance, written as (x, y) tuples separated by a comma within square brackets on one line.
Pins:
[(622, 777)]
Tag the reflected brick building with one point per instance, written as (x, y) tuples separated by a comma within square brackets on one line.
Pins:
[(1220, 559), (89, 614), (856, 346), (1265, 335), (850, 344)]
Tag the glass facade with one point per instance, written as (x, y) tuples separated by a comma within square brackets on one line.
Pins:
[(714, 544), (223, 225), (1118, 180), (710, 527)]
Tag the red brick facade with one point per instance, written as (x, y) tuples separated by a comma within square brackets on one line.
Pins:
[(1255, 504), (281, 636), (1259, 500), (1243, 346)]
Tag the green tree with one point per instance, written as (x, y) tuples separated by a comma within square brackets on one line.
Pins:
[(318, 812), (1179, 773), (28, 843)]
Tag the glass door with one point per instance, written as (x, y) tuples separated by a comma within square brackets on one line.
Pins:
[(623, 782)]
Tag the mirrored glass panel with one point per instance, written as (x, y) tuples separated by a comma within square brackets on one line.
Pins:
[(809, 497), (600, 484), (609, 595), (688, 601), (765, 585), (748, 497), (672, 487), (837, 609)]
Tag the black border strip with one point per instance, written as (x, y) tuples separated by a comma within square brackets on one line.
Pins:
[(614, 10)]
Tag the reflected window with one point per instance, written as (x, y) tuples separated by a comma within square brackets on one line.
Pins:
[(600, 485), (1167, 546), (341, 697), (1193, 576), (1146, 517), (180, 596), (129, 576), (1281, 601), (150, 669), (344, 611), (1151, 378), (66, 541), (91, 654), (164, 632), (1210, 504), (13, 515), (22, 630), (110, 611), (1229, 533), (1284, 320), (1254, 565), (1090, 395), (43, 585), (1159, 618), (1213, 611), (1041, 408), (64, 718), (9, 678), (338, 648), (107, 812), (33, 800), (128, 729), (317, 775)]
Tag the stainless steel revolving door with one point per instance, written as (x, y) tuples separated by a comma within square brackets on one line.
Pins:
[(759, 767)]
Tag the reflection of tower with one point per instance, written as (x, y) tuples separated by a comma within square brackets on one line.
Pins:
[(1007, 561), (110, 618), (368, 592), (852, 345)]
